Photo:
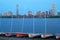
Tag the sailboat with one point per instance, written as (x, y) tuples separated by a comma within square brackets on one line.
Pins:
[(10, 34), (22, 34), (25, 34), (33, 35)]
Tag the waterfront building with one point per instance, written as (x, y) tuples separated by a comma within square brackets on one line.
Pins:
[(25, 16), (5, 14), (43, 14), (20, 16), (58, 13), (9, 14), (39, 14), (30, 14)]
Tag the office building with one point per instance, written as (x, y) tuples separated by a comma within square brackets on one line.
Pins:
[(58, 13), (17, 10), (9, 14), (53, 10)]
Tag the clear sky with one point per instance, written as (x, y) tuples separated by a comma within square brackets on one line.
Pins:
[(26, 5)]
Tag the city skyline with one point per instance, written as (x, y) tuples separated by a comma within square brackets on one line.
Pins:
[(52, 11), (25, 6)]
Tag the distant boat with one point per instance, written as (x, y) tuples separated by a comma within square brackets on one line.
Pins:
[(21, 35), (10, 35), (47, 36), (57, 37), (33, 35), (2, 34)]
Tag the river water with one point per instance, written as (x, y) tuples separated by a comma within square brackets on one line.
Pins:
[(30, 25)]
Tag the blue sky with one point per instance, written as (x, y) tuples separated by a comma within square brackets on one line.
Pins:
[(26, 5)]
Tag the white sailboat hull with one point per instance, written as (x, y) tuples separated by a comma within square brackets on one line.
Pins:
[(33, 35)]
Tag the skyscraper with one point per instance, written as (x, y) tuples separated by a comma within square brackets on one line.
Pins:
[(53, 10), (17, 9)]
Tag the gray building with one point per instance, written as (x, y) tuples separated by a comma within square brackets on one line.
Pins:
[(58, 13), (17, 9)]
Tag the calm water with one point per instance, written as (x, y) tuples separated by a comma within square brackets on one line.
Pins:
[(30, 25)]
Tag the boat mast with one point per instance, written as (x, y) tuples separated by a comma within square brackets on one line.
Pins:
[(33, 25), (11, 23), (45, 23), (23, 21), (0, 22), (22, 24)]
